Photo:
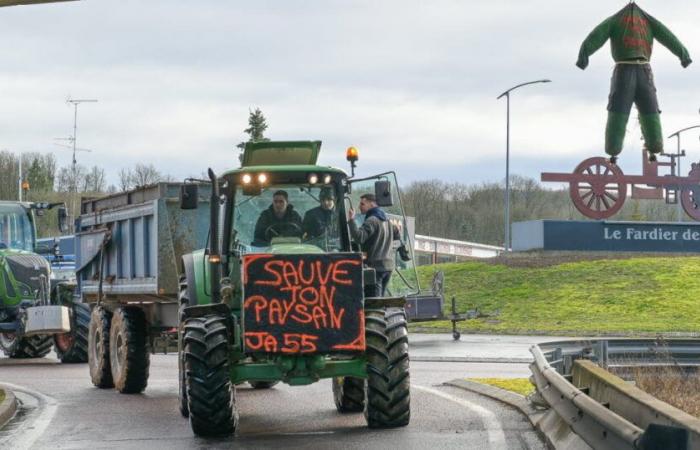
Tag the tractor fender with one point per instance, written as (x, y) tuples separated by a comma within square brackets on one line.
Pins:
[(190, 277)]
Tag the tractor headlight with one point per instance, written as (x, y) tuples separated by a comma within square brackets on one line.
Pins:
[(327, 179), (313, 178), (246, 178), (262, 178)]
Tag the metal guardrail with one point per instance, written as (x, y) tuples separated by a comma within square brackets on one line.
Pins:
[(606, 411)]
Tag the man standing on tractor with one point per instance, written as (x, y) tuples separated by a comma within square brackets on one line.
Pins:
[(278, 220), (376, 238), (320, 220)]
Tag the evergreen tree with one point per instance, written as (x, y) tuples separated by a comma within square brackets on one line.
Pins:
[(257, 124)]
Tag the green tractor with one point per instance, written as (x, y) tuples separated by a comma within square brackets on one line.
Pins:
[(275, 301), (36, 312)]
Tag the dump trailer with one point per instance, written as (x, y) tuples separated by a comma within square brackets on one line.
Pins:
[(37, 310), (128, 247)]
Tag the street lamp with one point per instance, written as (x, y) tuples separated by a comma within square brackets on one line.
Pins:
[(506, 94), (680, 153)]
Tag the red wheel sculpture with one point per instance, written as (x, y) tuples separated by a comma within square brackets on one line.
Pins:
[(690, 196), (604, 194)]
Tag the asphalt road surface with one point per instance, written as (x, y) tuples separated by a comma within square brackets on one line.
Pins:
[(62, 410)]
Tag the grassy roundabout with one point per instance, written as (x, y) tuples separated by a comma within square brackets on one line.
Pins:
[(639, 295)]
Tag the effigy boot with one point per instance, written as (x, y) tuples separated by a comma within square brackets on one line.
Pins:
[(653, 136), (615, 134)]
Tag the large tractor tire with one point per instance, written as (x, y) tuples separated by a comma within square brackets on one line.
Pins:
[(129, 357), (36, 346), (388, 401), (349, 394), (211, 397), (73, 347), (262, 384), (98, 348), (184, 301)]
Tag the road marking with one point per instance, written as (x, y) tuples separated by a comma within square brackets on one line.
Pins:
[(497, 438), (28, 433)]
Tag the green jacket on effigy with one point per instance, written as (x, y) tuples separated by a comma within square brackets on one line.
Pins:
[(631, 32)]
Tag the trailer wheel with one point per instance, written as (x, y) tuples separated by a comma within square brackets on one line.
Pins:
[(73, 347), (388, 401), (349, 394), (98, 348), (128, 352), (262, 384), (36, 346), (211, 397)]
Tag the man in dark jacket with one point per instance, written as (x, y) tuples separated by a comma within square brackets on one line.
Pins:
[(322, 219), (279, 219), (376, 238)]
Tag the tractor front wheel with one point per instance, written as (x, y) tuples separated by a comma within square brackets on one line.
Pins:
[(388, 400), (36, 346), (211, 397), (72, 347), (98, 348), (349, 394), (128, 351)]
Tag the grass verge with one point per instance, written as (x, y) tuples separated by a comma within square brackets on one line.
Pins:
[(520, 386), (645, 295)]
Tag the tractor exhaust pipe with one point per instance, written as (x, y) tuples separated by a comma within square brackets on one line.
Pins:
[(214, 250)]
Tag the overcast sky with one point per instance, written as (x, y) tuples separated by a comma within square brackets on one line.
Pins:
[(412, 84)]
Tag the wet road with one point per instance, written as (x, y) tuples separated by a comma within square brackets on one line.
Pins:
[(62, 410)]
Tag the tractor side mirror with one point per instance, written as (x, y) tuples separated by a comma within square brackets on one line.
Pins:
[(189, 196), (62, 219), (382, 192)]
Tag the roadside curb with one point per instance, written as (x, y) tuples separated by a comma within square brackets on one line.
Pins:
[(555, 434), (470, 359), (517, 401), (7, 407)]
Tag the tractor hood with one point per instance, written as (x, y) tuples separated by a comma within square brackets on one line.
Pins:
[(22, 274)]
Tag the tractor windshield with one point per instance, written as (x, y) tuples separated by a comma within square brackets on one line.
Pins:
[(15, 228), (288, 214)]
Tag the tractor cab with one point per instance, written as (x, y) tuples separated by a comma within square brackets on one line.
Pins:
[(16, 227)]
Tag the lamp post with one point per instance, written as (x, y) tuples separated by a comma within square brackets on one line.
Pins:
[(506, 94), (680, 153)]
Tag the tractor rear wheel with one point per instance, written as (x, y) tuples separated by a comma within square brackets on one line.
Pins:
[(349, 394), (36, 346), (388, 401), (211, 397), (128, 350), (98, 348), (72, 347)]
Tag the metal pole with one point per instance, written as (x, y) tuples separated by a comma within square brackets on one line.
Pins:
[(506, 240), (679, 213), (19, 183)]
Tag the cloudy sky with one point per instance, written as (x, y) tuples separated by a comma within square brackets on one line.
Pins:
[(412, 84)]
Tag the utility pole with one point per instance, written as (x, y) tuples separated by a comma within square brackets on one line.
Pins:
[(74, 140)]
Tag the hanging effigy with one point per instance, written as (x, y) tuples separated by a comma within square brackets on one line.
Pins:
[(632, 33)]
